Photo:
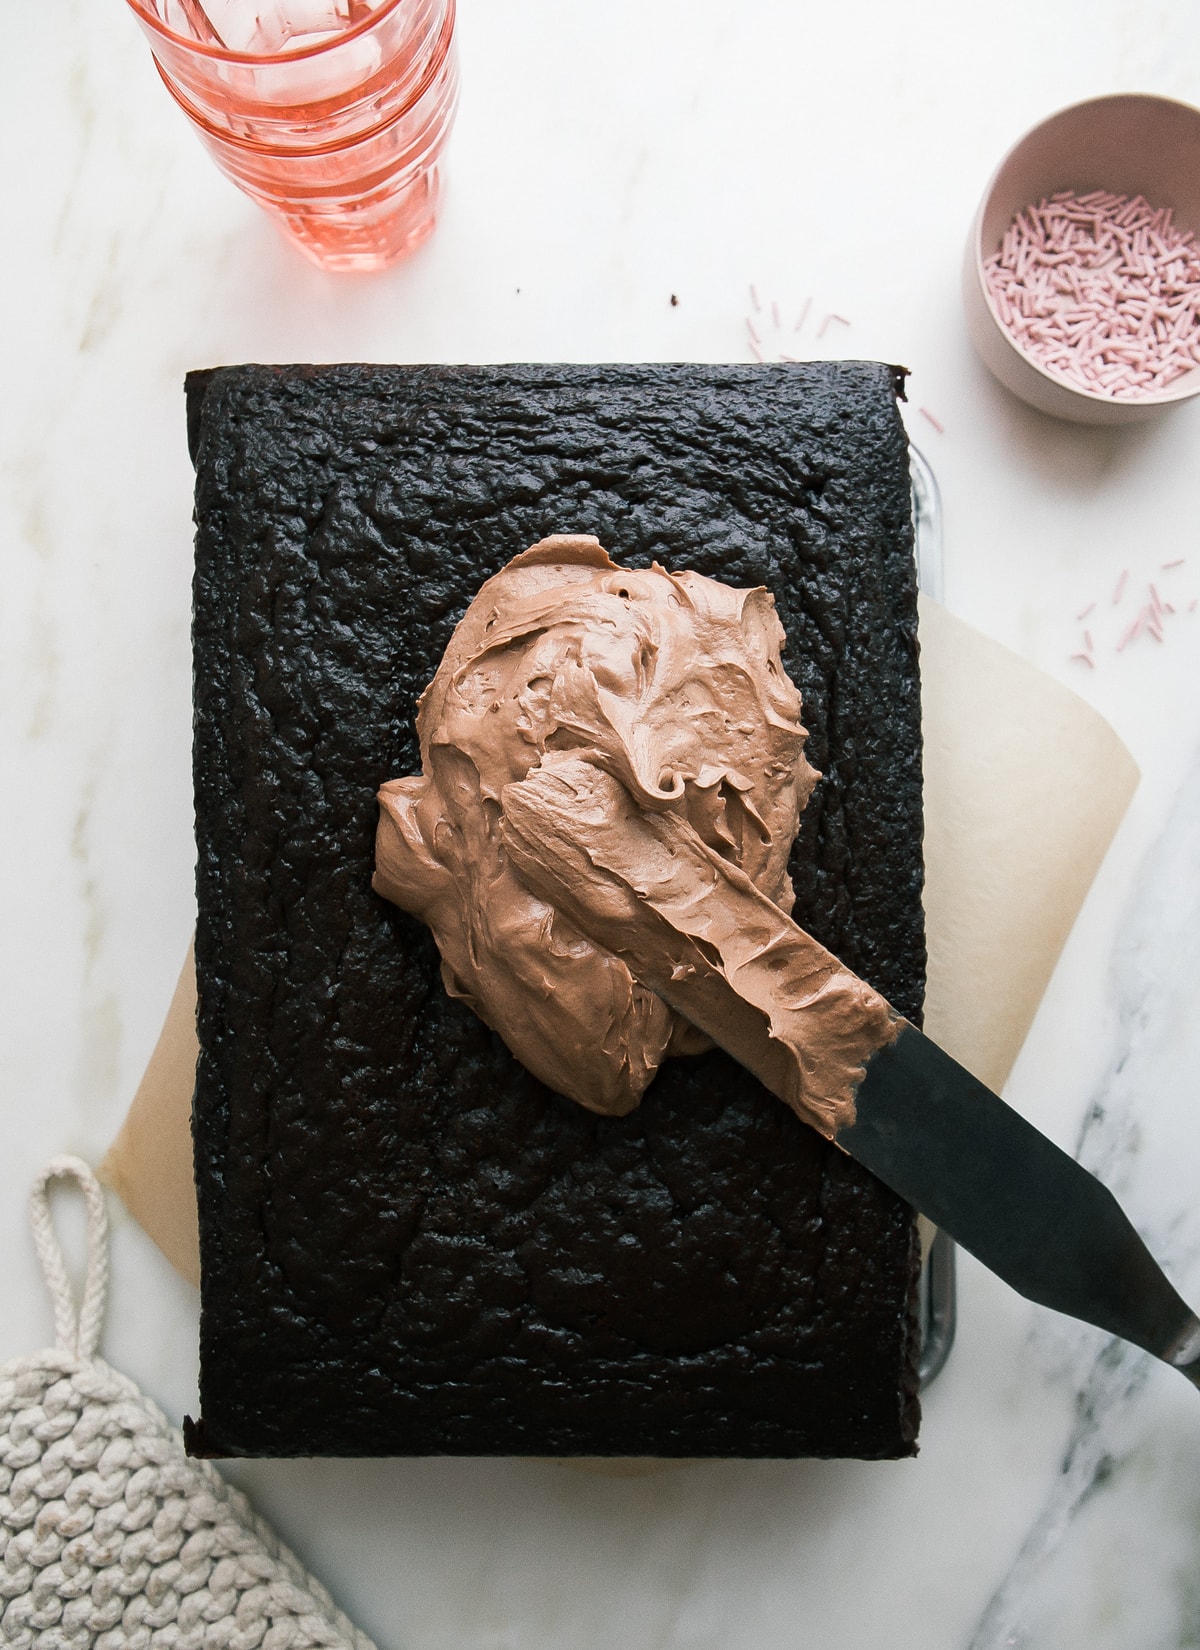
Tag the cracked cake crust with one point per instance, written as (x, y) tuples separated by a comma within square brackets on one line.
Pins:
[(408, 1245)]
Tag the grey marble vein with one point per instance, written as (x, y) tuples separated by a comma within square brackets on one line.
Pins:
[(1131, 1138)]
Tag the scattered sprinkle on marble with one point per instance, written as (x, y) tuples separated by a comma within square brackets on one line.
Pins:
[(772, 320), (1102, 291), (1114, 635), (766, 336)]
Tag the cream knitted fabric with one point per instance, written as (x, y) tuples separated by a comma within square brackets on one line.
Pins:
[(110, 1537)]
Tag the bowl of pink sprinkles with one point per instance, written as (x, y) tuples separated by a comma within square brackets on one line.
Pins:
[(1082, 275)]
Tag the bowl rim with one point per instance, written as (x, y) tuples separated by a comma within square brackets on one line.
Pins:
[(1186, 386)]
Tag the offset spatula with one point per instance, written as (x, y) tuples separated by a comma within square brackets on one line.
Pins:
[(688, 925)]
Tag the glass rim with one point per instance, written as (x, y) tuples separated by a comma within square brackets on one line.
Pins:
[(330, 146), (224, 54)]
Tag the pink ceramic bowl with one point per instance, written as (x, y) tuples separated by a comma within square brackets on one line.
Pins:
[(1131, 144)]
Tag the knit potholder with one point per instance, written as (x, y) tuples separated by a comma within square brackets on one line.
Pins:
[(111, 1538)]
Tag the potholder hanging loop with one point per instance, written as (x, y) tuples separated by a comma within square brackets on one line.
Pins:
[(77, 1328)]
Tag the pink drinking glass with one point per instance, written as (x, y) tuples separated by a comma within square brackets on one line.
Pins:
[(331, 114)]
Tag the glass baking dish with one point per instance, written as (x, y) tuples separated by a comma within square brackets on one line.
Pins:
[(936, 1289)]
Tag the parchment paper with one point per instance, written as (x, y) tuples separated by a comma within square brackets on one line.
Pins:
[(1025, 785)]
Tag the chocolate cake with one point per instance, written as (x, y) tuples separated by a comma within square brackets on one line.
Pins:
[(408, 1244)]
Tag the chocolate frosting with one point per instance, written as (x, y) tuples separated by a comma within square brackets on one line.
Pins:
[(670, 683), (696, 930)]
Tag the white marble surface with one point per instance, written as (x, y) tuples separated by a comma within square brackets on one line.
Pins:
[(605, 158)]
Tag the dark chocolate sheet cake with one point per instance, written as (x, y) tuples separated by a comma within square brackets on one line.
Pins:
[(408, 1245)]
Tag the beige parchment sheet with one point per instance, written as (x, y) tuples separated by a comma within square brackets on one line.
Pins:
[(1025, 785)]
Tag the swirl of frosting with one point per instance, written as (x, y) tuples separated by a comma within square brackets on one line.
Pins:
[(671, 683)]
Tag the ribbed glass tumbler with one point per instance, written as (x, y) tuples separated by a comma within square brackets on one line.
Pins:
[(331, 114)]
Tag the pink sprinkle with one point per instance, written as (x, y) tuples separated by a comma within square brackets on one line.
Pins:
[(1090, 608), (1178, 562), (831, 317), (754, 298), (1085, 658), (1192, 604), (755, 351), (775, 314), (796, 360), (1101, 290), (750, 328), (1087, 640), (1130, 633), (803, 316), (1156, 599), (1120, 590), (937, 424)]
